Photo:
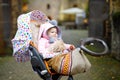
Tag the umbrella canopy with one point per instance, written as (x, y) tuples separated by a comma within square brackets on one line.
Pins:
[(24, 34), (73, 11)]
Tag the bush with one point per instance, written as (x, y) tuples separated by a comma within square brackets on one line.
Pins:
[(116, 20)]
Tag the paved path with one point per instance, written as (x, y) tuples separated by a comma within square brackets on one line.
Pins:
[(74, 36), (103, 68)]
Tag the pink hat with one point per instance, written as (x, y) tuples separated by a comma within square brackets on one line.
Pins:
[(44, 28)]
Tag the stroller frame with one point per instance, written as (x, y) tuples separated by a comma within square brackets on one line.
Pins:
[(40, 65), (37, 61)]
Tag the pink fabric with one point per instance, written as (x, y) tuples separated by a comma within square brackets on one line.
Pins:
[(43, 44), (43, 41)]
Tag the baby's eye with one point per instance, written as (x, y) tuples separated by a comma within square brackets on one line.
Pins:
[(52, 32)]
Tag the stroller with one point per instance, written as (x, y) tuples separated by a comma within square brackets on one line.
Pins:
[(25, 45)]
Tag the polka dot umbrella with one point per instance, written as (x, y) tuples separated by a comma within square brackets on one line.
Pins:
[(23, 35)]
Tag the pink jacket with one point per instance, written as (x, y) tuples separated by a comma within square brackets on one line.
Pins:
[(43, 41)]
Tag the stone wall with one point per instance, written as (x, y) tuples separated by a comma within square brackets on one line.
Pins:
[(55, 6), (114, 8), (15, 12), (49, 7), (98, 13), (4, 25), (1, 31), (9, 11)]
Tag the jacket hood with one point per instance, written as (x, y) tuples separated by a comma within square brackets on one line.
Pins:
[(44, 28)]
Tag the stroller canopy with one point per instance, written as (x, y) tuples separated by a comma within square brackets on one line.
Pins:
[(24, 34)]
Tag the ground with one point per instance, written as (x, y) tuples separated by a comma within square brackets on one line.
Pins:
[(103, 68)]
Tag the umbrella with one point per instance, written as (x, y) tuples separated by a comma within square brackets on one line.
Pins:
[(23, 35), (79, 13), (73, 11)]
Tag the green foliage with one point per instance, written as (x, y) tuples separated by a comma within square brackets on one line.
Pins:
[(87, 11), (116, 19), (25, 1), (95, 47)]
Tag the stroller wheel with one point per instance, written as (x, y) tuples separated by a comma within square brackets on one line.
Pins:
[(94, 46)]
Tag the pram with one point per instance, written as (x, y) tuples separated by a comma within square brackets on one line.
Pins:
[(25, 41)]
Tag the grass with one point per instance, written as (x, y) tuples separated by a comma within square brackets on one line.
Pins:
[(103, 68), (95, 46)]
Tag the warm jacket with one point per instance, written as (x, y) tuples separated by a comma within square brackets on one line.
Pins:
[(43, 41)]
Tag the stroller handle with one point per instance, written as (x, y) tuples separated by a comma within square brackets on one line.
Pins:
[(89, 40)]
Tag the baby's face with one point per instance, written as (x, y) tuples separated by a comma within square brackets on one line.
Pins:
[(53, 33)]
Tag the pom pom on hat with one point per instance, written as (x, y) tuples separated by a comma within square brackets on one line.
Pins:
[(54, 22)]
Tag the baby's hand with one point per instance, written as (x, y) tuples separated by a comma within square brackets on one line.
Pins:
[(72, 47)]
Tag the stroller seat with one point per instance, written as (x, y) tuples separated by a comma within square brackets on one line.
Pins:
[(40, 66)]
